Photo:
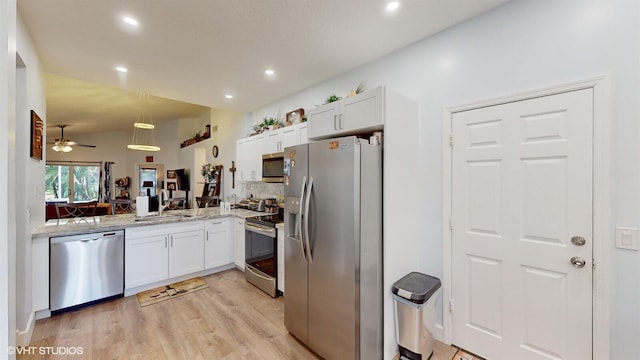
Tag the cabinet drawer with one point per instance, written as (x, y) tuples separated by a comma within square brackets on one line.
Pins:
[(162, 229)]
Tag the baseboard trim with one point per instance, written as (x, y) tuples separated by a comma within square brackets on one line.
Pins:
[(23, 338), (439, 333)]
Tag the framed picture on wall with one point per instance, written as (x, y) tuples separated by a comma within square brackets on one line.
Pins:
[(37, 127), (171, 174), (171, 185)]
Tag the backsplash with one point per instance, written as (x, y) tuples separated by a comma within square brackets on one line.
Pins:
[(261, 190)]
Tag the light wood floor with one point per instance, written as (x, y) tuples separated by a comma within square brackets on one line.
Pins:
[(229, 320)]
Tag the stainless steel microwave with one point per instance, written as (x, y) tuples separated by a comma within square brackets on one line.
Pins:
[(273, 167)]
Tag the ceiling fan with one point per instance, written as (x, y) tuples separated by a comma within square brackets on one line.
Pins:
[(65, 145)]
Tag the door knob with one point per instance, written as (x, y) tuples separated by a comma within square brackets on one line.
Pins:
[(578, 262), (578, 240)]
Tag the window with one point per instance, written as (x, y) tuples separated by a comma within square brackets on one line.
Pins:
[(75, 182)]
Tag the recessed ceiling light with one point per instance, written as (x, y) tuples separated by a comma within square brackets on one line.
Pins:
[(131, 21), (269, 72), (393, 6), (228, 96), (122, 69)]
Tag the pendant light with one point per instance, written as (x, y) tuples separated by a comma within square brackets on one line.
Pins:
[(144, 138)]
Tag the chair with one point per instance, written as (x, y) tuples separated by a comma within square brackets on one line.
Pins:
[(76, 210), (122, 206), (207, 201)]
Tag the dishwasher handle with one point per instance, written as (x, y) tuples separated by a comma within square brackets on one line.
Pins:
[(90, 237)]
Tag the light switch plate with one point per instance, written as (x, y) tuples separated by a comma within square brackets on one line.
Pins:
[(627, 238)]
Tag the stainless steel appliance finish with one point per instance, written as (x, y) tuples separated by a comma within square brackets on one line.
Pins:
[(261, 255), (85, 268), (333, 247), (272, 165)]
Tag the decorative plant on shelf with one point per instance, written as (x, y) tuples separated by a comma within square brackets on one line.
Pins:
[(332, 98), (209, 172), (361, 88), (268, 123)]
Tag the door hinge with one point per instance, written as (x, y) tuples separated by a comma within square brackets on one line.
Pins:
[(450, 224), (451, 140), (451, 306), (593, 264)]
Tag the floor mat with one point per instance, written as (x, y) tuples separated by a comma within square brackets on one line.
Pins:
[(170, 291)]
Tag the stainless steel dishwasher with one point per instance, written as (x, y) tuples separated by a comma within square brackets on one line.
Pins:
[(85, 268)]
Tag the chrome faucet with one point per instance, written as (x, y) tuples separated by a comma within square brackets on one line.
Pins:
[(163, 197)]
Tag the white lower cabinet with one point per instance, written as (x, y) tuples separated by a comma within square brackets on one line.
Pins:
[(239, 240), (159, 252), (40, 273), (185, 253), (218, 243), (146, 260)]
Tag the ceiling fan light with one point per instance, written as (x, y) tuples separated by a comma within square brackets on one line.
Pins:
[(144, 125), (62, 148)]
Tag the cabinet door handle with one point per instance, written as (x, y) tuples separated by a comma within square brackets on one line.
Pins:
[(171, 240), (340, 122), (335, 119), (207, 237), (165, 242)]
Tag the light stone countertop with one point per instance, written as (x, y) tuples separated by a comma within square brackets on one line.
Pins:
[(75, 226)]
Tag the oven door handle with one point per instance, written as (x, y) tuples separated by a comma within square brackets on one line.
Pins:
[(262, 230), (255, 272), (299, 219), (306, 219)]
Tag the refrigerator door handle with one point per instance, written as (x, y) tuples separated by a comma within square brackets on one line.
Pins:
[(299, 220), (306, 219)]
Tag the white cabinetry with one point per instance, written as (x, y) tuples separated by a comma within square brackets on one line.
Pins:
[(146, 260), (303, 136), (247, 160), (185, 253), (40, 273), (239, 243), (286, 137), (218, 244), (362, 113), (159, 252)]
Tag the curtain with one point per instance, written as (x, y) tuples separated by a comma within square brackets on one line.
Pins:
[(106, 180)]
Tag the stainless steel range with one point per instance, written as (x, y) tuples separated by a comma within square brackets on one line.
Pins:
[(261, 254)]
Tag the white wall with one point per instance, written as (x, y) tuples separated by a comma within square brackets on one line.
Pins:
[(29, 187), (226, 128), (520, 46), (7, 180)]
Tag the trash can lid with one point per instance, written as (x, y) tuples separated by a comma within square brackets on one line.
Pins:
[(416, 287)]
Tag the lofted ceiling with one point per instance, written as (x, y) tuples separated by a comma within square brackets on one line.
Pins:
[(194, 52)]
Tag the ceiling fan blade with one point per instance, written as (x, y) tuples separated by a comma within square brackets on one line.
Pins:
[(84, 145)]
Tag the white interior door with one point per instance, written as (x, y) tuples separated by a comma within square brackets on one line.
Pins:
[(521, 189)]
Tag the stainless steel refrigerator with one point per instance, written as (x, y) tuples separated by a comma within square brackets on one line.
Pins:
[(333, 247)]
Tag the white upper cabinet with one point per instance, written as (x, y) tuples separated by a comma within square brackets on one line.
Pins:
[(362, 113), (303, 137), (246, 159), (287, 137)]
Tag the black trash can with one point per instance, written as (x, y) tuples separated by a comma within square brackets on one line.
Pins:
[(414, 300)]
